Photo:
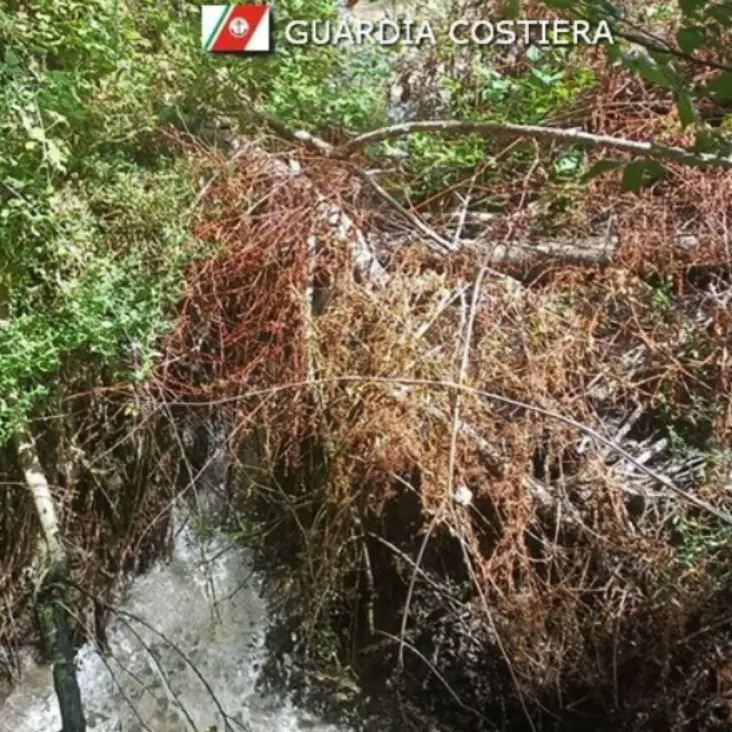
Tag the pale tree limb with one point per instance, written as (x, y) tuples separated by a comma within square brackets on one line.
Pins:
[(342, 227), (589, 252), (592, 251), (43, 501), (557, 134), (55, 570)]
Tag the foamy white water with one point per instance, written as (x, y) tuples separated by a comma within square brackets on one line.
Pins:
[(205, 602)]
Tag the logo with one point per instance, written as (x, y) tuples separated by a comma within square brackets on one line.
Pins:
[(236, 28)]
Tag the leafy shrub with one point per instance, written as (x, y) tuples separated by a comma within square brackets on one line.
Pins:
[(93, 224)]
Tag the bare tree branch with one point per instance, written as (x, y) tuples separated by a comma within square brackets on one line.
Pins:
[(572, 136), (589, 252)]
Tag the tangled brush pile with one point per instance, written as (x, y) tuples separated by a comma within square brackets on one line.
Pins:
[(465, 465)]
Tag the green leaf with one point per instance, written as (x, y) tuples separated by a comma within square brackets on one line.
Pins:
[(704, 143), (721, 13), (533, 53), (513, 7), (690, 7), (689, 39), (613, 53), (37, 133), (687, 113), (653, 74), (650, 70), (720, 86), (55, 157), (639, 174), (601, 166)]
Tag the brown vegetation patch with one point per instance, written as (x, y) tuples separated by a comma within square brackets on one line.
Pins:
[(529, 549), (678, 225)]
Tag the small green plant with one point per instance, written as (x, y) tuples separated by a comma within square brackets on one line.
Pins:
[(661, 295), (701, 548), (550, 86)]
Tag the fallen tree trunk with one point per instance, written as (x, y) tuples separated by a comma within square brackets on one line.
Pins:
[(594, 251), (50, 600)]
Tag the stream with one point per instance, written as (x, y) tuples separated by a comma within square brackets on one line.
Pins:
[(203, 605)]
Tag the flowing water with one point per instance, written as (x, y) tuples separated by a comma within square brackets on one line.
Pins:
[(201, 610)]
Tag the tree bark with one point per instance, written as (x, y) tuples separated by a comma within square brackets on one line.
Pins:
[(51, 605)]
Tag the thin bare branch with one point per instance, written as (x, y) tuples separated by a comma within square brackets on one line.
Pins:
[(572, 136)]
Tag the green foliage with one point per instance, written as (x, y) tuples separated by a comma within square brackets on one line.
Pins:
[(93, 224), (703, 29), (720, 87), (549, 87), (639, 174), (310, 87), (293, 96), (601, 166), (704, 548), (93, 227), (687, 113)]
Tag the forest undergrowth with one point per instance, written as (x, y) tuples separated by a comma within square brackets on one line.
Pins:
[(494, 486), (512, 486)]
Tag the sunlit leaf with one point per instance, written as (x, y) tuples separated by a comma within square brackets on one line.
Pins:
[(55, 156), (720, 86), (687, 114), (704, 143)]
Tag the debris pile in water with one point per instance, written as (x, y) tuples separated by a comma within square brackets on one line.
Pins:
[(516, 490)]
